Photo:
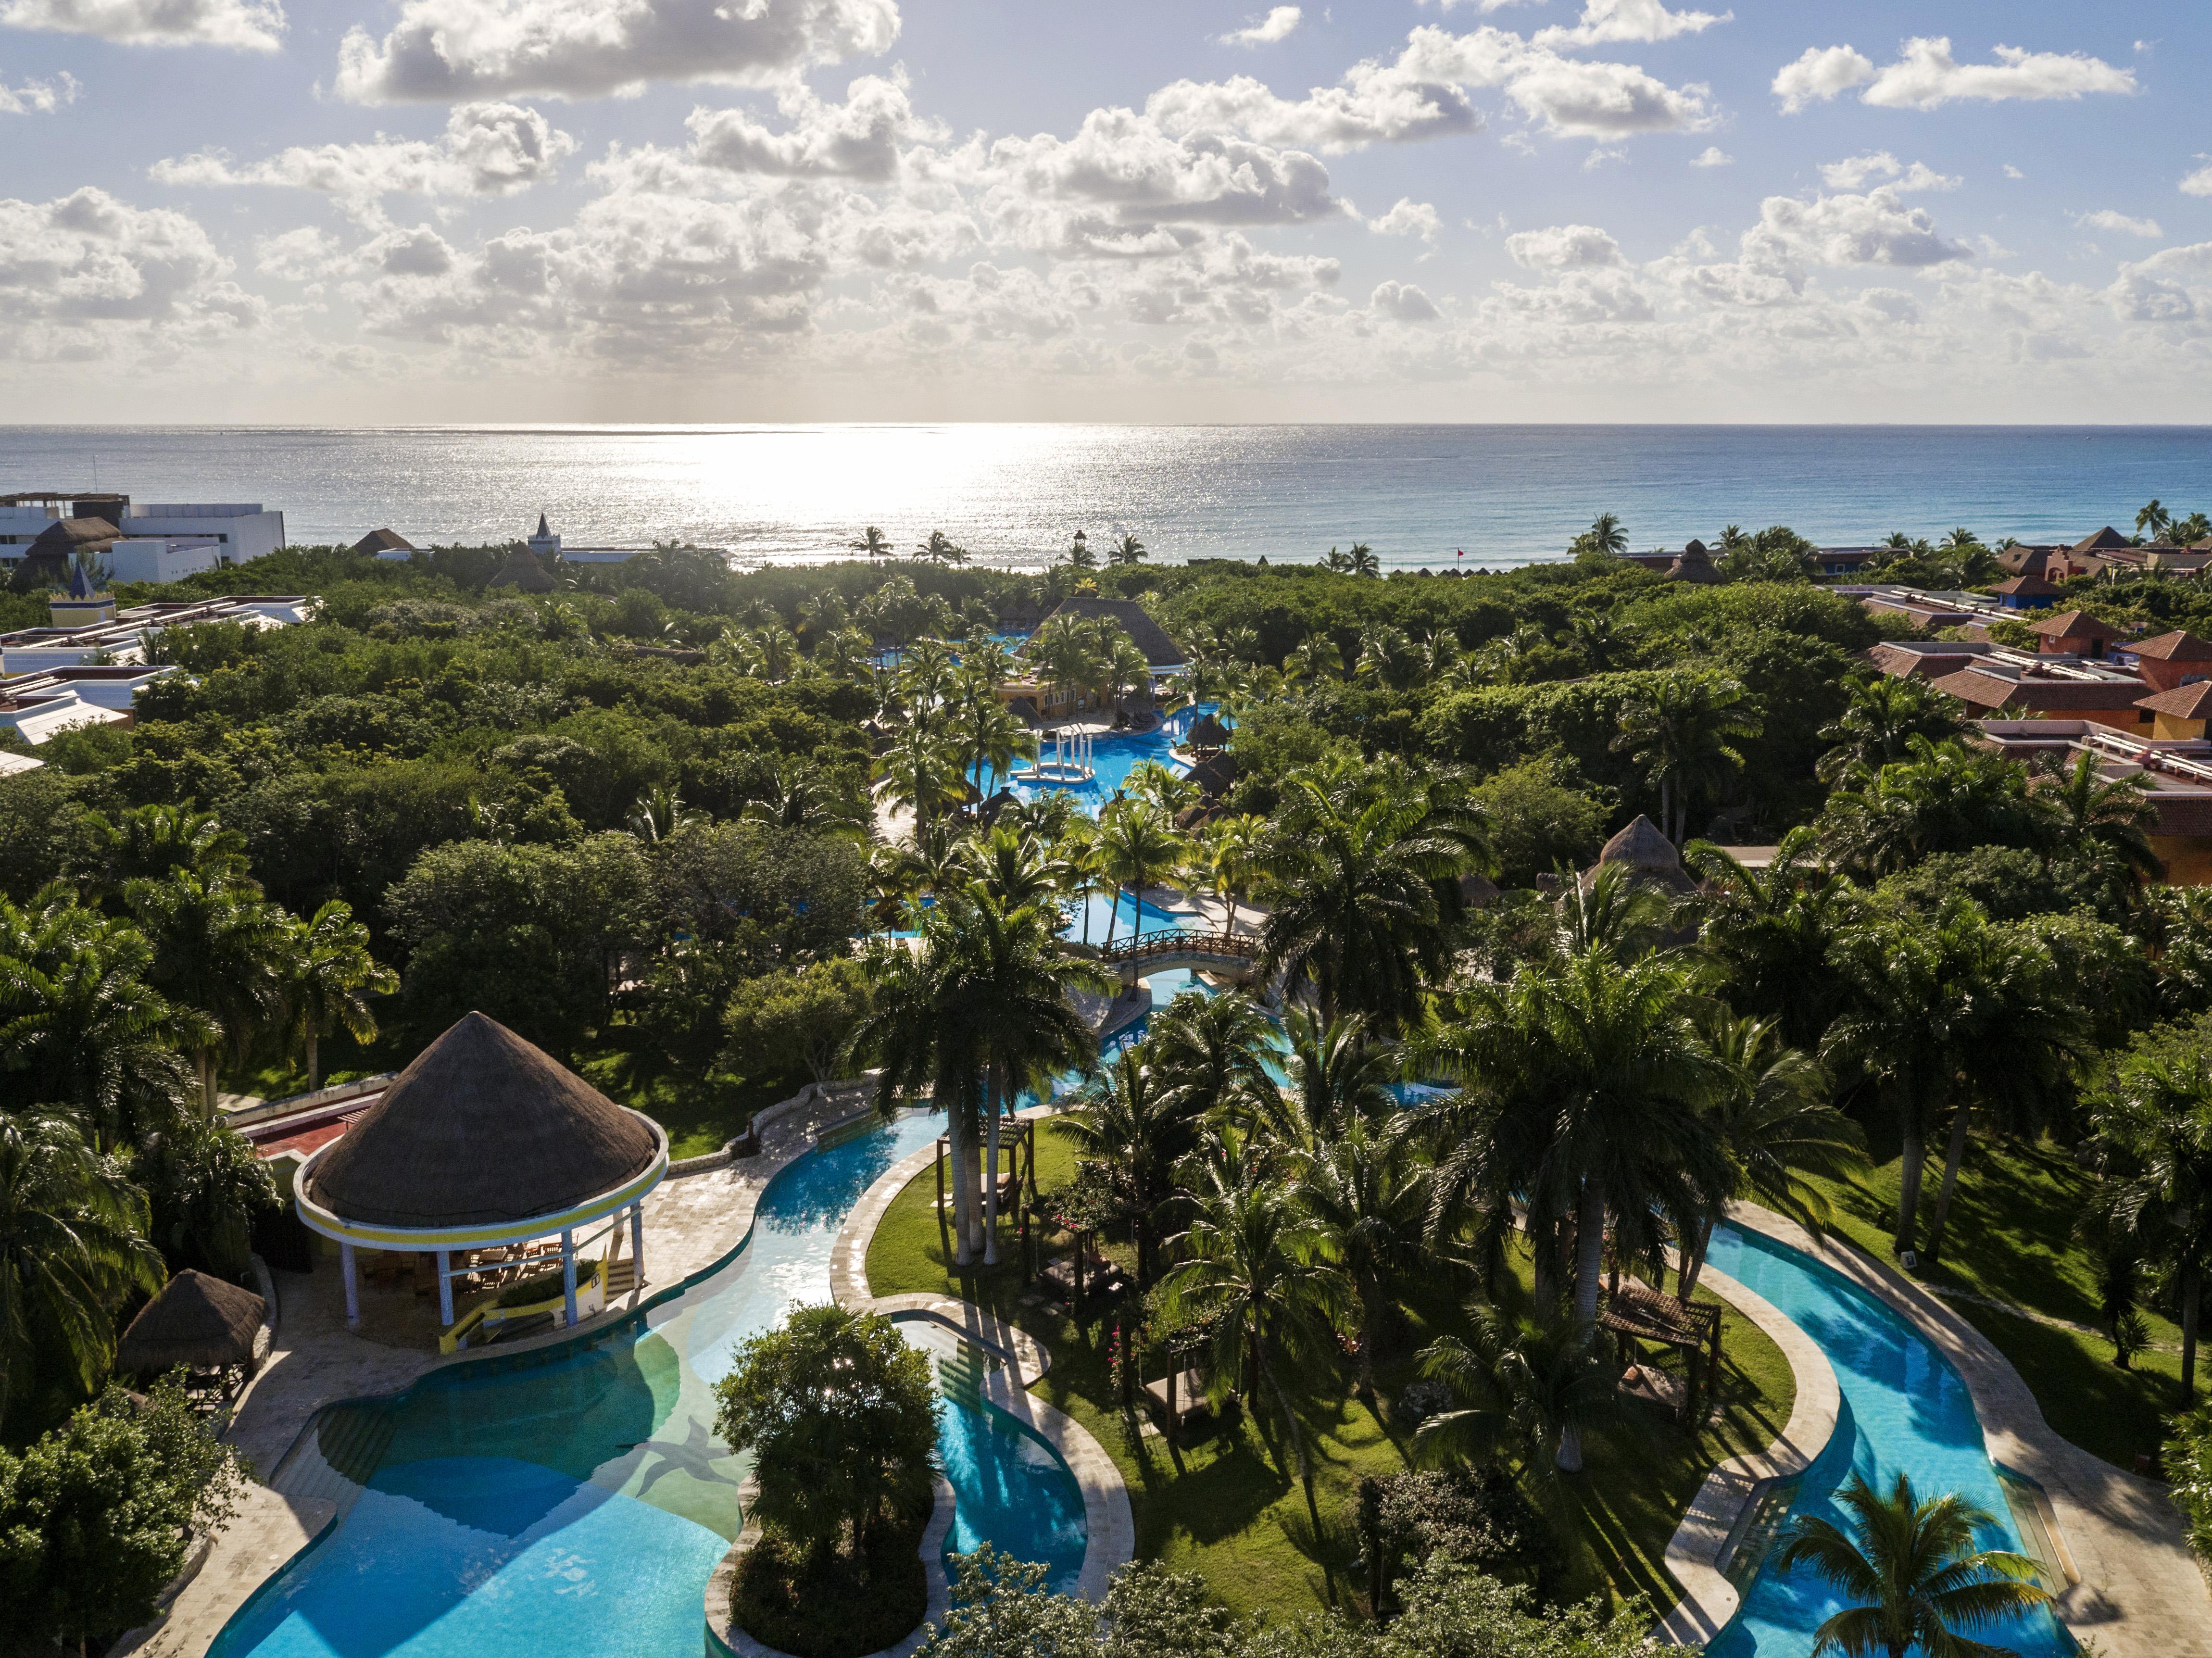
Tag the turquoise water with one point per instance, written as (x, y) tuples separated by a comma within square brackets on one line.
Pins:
[(1904, 1408), (578, 1508), (1114, 755)]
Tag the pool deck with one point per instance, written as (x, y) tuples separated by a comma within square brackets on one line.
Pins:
[(2141, 1594), (691, 1222), (1110, 1526), (1693, 1553)]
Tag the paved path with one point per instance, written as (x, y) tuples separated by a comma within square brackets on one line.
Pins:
[(2141, 1594), (1694, 1554), (1110, 1527), (691, 1222)]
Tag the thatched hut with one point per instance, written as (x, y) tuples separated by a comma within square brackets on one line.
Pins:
[(198, 1321), (379, 541), (1207, 736), (524, 574), (1649, 855), (484, 1141)]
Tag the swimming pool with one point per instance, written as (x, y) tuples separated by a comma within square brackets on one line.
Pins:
[(577, 1507), (1904, 1408), (1114, 755)]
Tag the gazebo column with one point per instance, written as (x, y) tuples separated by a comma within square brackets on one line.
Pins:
[(352, 1285), (568, 1272), (637, 1244), (445, 1288)]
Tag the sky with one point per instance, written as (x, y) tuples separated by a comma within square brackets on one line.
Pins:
[(1177, 210)]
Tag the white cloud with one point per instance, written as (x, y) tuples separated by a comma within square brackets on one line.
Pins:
[(2199, 182), (86, 277), (1409, 217), (487, 149), (1564, 248), (1713, 155), (1860, 171), (1820, 75), (1403, 301), (39, 97), (1875, 228), (1275, 26), (1374, 105), (2105, 218), (307, 254), (1926, 76), (864, 138), (457, 49), (245, 25), (2012, 172), (1123, 163), (1604, 22)]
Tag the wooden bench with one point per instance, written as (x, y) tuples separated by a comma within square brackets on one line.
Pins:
[(1179, 1398)]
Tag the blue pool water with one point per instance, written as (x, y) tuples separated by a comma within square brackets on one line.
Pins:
[(578, 1508), (1114, 755), (1904, 1408)]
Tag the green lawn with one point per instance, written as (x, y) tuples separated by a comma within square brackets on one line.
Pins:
[(2011, 1238), (1228, 1505)]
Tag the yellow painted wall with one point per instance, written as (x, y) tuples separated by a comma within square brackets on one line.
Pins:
[(2170, 728), (2187, 858)]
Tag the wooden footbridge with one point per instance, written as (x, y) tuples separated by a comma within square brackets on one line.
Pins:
[(1231, 954)]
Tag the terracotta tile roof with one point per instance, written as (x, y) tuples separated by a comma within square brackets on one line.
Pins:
[(2033, 586), (2107, 537), (2073, 624), (2191, 702), (2179, 645), (1900, 663), (1984, 690)]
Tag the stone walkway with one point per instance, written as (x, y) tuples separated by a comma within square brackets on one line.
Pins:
[(1693, 1553), (1110, 1526), (691, 1222), (2141, 1594)]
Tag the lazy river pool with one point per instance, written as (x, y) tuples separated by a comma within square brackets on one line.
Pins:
[(1904, 1408), (576, 1507)]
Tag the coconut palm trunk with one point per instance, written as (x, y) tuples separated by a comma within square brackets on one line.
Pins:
[(958, 1145), (993, 1099), (1960, 1121), (2192, 1296), (1912, 1167), (1590, 1254), (314, 1058)]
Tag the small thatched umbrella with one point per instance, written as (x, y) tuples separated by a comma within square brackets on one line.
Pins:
[(196, 1320), (1207, 733)]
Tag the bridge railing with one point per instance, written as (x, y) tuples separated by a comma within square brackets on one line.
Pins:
[(1150, 946)]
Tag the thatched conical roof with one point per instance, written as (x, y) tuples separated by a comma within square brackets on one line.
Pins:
[(524, 574), (386, 540), (483, 1129), (197, 1321), (1642, 846), (1208, 733)]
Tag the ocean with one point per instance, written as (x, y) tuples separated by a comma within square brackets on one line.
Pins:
[(1015, 493)]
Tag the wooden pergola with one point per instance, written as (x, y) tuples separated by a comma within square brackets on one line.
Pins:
[(1634, 1312), (1018, 1154)]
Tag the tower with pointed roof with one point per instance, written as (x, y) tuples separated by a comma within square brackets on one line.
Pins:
[(545, 544)]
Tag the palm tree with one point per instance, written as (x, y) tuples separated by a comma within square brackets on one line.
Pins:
[(1549, 1383), (1942, 797), (1213, 1052), (1230, 850), (1389, 656), (873, 543), (1772, 1115), (1361, 560), (1883, 716), (1583, 1085), (1314, 659), (1011, 868), (1364, 1188), (1368, 878), (1915, 1572), (1079, 556), (1135, 840), (921, 772), (72, 1246), (940, 549), (658, 814), (333, 975), (2111, 817), (2153, 519), (1336, 1077), (2154, 1137), (146, 842), (220, 948), (1962, 540), (1684, 737), (1769, 934), (1139, 1128), (1607, 535), (994, 738), (1128, 550), (1257, 1275)]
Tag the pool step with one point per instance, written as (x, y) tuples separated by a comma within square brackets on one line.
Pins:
[(960, 1378), (622, 1278), (336, 1459)]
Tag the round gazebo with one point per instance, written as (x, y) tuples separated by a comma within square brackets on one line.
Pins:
[(485, 1141)]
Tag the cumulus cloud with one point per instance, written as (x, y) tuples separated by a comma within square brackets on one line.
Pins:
[(1564, 248), (459, 49), (245, 25), (1275, 26), (862, 138), (1604, 22), (487, 149), (1376, 103), (1403, 301), (2199, 182), (307, 254), (82, 275), (1128, 166), (1927, 75), (1713, 155), (39, 97), (1409, 217), (2105, 218), (1875, 228), (1858, 172)]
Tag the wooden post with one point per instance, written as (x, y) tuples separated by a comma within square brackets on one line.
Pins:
[(1075, 1307), (1175, 1416), (352, 1285), (637, 1244), (568, 1274), (445, 1288)]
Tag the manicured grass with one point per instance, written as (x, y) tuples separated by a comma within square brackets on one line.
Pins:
[(1228, 1505), (2011, 1238)]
